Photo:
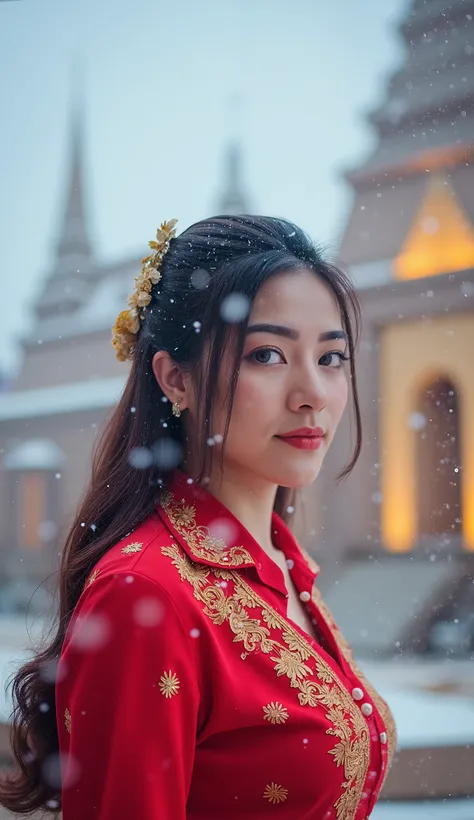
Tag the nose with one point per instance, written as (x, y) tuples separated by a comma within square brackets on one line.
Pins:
[(309, 390)]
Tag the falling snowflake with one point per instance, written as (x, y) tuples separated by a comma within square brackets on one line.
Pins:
[(417, 421), (140, 458), (430, 225), (235, 307), (200, 278)]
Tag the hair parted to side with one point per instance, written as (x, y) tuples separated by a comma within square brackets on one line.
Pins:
[(203, 266)]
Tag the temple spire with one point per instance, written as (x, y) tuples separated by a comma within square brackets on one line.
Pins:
[(73, 247), (233, 199), (68, 280)]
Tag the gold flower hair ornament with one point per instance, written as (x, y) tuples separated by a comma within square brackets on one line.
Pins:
[(128, 322)]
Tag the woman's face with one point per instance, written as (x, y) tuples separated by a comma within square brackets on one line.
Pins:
[(291, 376)]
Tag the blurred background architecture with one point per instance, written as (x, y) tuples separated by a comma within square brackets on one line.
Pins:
[(396, 540), (403, 549)]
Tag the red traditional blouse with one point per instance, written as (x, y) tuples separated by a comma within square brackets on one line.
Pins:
[(185, 691)]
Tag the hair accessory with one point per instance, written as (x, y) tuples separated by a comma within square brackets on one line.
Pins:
[(128, 321), (176, 409)]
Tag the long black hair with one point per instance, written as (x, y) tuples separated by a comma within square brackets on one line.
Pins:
[(205, 265)]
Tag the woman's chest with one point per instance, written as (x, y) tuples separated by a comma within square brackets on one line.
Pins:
[(282, 710), (297, 609)]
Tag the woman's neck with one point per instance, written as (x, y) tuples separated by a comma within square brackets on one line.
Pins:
[(249, 498)]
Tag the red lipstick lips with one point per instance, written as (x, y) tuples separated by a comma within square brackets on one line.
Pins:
[(305, 438)]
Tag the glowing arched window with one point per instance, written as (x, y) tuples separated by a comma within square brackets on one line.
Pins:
[(32, 467), (31, 508), (439, 468)]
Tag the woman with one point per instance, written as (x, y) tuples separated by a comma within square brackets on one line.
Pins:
[(195, 671)]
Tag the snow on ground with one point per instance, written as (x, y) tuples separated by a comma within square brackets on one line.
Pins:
[(425, 810)]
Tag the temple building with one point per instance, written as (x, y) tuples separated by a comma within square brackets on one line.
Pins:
[(399, 533), (68, 381)]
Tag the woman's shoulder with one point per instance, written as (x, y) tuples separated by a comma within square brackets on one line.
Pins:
[(132, 602), (143, 552)]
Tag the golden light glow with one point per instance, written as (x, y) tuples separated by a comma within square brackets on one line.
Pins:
[(32, 505), (398, 521), (468, 469), (398, 490), (412, 354), (441, 239)]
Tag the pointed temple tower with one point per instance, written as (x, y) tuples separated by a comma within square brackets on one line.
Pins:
[(72, 271), (72, 265), (399, 533), (233, 200), (68, 381)]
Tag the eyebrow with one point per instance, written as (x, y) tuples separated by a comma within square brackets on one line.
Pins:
[(290, 333)]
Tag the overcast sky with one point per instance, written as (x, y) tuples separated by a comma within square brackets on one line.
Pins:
[(158, 82)]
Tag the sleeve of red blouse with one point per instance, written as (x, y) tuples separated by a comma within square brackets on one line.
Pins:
[(127, 703)]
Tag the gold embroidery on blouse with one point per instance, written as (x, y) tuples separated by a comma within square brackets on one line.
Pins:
[(346, 650), (275, 713), (317, 683), (200, 540), (131, 548), (169, 684), (269, 619), (67, 720), (275, 794), (92, 577), (352, 751)]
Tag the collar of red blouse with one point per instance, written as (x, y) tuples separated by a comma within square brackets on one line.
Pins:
[(211, 535)]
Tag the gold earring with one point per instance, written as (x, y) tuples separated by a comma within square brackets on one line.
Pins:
[(175, 409)]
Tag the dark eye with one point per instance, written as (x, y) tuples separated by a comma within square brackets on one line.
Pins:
[(333, 359), (264, 355)]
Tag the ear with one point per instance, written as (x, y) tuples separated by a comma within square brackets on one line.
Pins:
[(170, 378)]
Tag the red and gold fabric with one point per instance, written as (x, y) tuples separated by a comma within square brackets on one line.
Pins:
[(185, 693)]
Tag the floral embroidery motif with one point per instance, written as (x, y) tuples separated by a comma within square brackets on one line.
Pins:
[(275, 794), (202, 543), (317, 683), (169, 684), (352, 750), (346, 650), (92, 578), (67, 720), (269, 619), (131, 548), (275, 713)]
